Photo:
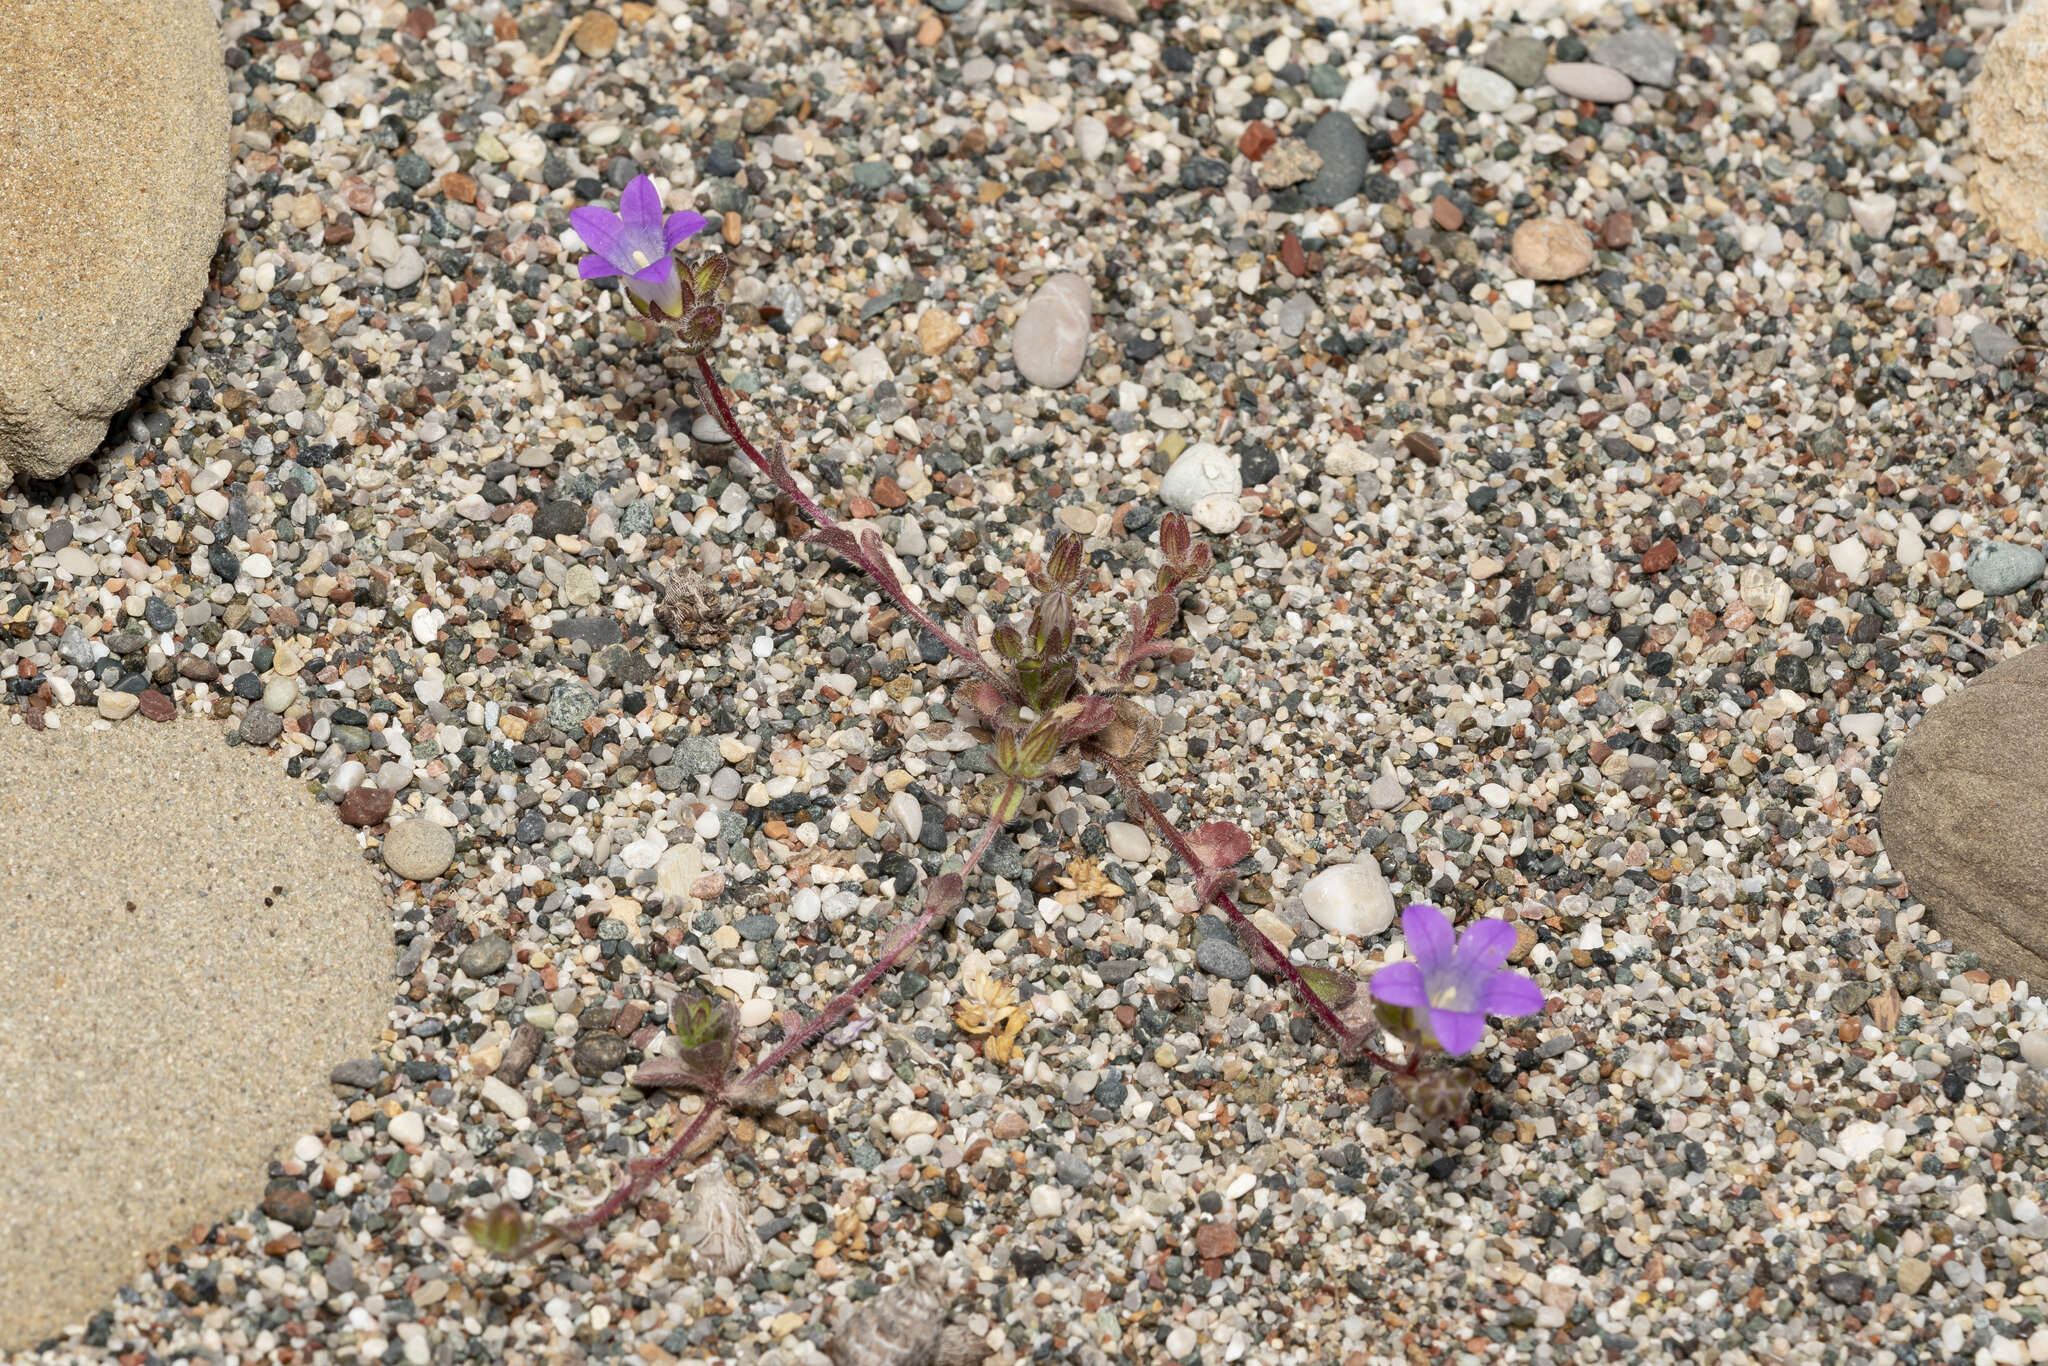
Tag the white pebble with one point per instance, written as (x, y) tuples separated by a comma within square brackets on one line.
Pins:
[(908, 814), (409, 1127), (1128, 842), (1350, 899)]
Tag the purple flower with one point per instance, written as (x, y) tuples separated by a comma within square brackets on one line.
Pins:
[(1455, 984), (637, 243)]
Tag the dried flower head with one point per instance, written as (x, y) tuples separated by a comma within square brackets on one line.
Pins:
[(695, 611), (1455, 980), (719, 1240), (991, 1007), (899, 1327)]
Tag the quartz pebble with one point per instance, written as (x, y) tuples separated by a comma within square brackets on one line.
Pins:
[(1051, 339), (1350, 899)]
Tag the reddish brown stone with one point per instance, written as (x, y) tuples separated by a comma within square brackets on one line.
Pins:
[(888, 493), (459, 187), (1446, 215), (156, 706), (365, 805), (1257, 140), (1422, 446), (419, 21), (1292, 256), (1660, 556), (1216, 1240), (340, 232), (1618, 230)]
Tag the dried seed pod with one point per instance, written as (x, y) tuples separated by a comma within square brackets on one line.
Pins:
[(899, 1327), (721, 1240), (959, 1345)]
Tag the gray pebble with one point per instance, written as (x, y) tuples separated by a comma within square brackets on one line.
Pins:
[(2000, 567), (1223, 957), (486, 957)]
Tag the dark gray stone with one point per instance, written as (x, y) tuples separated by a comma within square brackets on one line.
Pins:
[(1336, 139)]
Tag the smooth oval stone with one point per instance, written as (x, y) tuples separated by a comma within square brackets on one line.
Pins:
[(1589, 81), (1350, 899), (1483, 91), (1050, 343), (417, 849), (1336, 139), (2000, 567), (114, 148), (1551, 249)]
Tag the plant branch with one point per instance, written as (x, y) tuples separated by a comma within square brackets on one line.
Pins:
[(642, 1173), (884, 578), (1136, 797)]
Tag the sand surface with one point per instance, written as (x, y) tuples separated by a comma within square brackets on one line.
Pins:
[(188, 944)]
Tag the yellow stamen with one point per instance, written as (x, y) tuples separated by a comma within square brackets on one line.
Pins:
[(640, 259)]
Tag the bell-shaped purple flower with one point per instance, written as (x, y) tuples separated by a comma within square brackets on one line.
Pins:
[(1454, 980), (638, 245)]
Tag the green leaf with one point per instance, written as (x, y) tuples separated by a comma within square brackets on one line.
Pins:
[(498, 1231), (1335, 989)]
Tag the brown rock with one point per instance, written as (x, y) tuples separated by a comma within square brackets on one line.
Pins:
[(155, 706), (937, 330), (365, 805), (1446, 215), (1551, 249), (459, 187), (888, 493), (597, 34), (1617, 230), (1962, 816), (1216, 1240), (1292, 256), (1660, 556), (1258, 139), (2007, 106), (113, 171)]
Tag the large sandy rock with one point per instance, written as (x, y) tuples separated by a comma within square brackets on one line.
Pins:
[(113, 185), (189, 944), (2007, 107), (1962, 816)]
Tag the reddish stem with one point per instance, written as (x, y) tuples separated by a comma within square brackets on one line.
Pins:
[(642, 1173), (881, 575), (1138, 798)]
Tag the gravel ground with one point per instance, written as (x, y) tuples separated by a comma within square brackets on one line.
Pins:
[(1599, 604)]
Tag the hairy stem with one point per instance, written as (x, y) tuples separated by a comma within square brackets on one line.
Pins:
[(645, 1172), (824, 521), (1138, 799)]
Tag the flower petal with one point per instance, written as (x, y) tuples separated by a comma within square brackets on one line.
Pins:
[(682, 227), (1510, 993), (595, 267), (1429, 936), (666, 296), (640, 208), (1483, 947), (1457, 1030), (661, 271), (1399, 984), (602, 231)]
